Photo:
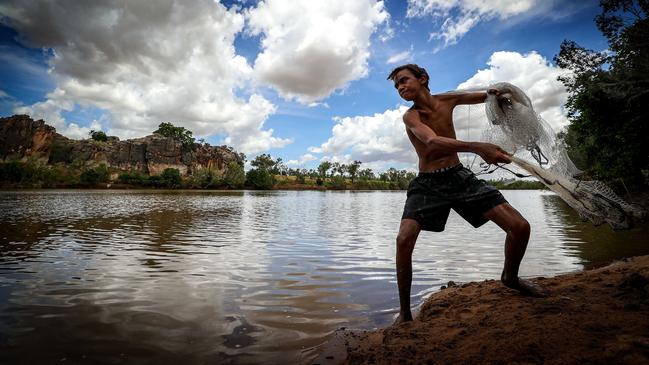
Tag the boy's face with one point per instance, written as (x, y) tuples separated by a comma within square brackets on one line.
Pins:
[(407, 84)]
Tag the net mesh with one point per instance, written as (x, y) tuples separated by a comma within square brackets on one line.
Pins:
[(518, 129)]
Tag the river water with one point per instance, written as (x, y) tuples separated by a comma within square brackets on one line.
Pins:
[(241, 277)]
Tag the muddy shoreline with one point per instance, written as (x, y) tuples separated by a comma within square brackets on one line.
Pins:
[(598, 316)]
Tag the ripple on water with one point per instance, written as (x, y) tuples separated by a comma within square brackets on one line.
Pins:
[(241, 277)]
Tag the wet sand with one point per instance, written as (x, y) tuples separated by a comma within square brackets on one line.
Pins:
[(598, 316)]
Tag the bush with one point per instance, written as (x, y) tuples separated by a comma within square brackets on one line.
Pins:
[(178, 133), (204, 178), (95, 175), (12, 171), (260, 179), (133, 178), (234, 176), (98, 136), (155, 180), (171, 177), (337, 182)]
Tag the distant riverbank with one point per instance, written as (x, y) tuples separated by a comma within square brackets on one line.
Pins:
[(35, 175), (516, 185)]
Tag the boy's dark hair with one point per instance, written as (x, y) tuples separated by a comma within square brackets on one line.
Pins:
[(416, 70)]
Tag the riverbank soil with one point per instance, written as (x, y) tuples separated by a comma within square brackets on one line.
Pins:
[(593, 317)]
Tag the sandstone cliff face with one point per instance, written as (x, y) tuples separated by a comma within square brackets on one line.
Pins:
[(22, 138)]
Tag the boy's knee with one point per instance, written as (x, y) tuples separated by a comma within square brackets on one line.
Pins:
[(520, 228), (405, 242)]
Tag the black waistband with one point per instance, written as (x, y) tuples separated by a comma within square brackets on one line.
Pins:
[(441, 171)]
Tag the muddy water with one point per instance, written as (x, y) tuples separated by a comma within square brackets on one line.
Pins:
[(240, 277)]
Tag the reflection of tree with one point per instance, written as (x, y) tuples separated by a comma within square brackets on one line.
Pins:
[(18, 239), (596, 246), (161, 229)]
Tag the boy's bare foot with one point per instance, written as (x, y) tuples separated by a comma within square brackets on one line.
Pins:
[(525, 287)]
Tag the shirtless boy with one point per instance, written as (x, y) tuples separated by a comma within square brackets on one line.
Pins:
[(443, 183)]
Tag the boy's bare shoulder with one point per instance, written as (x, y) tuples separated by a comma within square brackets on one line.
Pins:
[(447, 96), (410, 114)]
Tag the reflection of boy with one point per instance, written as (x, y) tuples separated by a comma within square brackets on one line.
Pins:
[(443, 183)]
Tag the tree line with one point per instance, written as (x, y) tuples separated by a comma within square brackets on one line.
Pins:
[(267, 172)]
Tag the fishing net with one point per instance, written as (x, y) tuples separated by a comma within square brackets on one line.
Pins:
[(518, 129)]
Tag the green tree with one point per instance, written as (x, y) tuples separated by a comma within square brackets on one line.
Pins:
[(264, 162), (171, 177), (204, 178), (98, 174), (234, 176), (178, 133), (352, 169), (609, 94), (323, 168), (337, 182), (98, 136), (260, 179), (366, 174), (279, 168), (12, 171)]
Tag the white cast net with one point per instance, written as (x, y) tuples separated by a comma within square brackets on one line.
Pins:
[(518, 129)]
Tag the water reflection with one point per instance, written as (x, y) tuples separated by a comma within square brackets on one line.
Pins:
[(239, 277), (595, 246)]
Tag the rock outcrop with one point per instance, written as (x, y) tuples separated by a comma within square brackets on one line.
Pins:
[(22, 138)]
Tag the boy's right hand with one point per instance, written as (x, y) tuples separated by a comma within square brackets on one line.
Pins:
[(492, 154), (493, 91)]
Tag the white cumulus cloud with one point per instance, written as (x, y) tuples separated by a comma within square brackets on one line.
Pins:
[(302, 160), (401, 56), (146, 62), (457, 17), (381, 141), (535, 75), (312, 48), (370, 138)]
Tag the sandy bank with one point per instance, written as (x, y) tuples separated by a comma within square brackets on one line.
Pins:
[(593, 317)]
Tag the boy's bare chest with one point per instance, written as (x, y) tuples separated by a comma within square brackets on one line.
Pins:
[(440, 121)]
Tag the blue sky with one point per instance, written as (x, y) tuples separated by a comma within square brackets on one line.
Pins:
[(301, 80)]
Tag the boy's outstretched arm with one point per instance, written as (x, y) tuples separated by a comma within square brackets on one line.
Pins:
[(474, 98), (489, 152)]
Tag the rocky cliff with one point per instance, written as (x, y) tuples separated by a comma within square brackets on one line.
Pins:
[(22, 138)]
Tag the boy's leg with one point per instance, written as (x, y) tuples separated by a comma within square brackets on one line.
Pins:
[(518, 234), (408, 233)]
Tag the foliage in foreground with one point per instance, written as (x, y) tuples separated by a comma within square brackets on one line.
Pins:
[(609, 94)]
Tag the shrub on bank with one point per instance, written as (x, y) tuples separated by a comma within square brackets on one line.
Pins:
[(98, 174), (234, 176), (171, 178), (133, 178), (337, 182), (36, 174), (260, 179)]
